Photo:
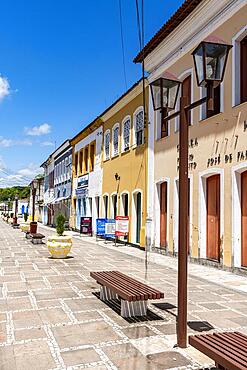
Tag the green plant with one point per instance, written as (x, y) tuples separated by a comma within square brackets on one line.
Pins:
[(25, 215), (60, 224)]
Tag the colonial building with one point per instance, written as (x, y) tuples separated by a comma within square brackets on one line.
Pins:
[(87, 174), (62, 180), (49, 193), (217, 140), (125, 162)]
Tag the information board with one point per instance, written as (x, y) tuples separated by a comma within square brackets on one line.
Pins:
[(86, 226), (122, 226), (110, 227), (100, 226)]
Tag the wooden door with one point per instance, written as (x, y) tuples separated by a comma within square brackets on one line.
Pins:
[(244, 218), (213, 217), (163, 215), (138, 217)]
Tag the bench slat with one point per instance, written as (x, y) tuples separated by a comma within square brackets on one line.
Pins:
[(134, 288), (224, 344), (155, 293), (208, 345), (232, 340)]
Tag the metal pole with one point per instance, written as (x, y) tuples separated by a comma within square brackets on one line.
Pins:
[(33, 210), (183, 226)]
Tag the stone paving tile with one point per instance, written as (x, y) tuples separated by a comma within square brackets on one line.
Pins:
[(50, 318)]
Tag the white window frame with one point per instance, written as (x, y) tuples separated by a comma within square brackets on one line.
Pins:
[(127, 118), (115, 127), (105, 134), (137, 111), (237, 38)]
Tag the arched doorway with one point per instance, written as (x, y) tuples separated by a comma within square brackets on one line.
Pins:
[(163, 215)]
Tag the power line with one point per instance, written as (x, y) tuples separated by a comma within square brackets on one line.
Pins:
[(138, 24), (122, 42)]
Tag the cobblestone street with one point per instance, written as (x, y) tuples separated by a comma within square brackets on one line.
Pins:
[(51, 316)]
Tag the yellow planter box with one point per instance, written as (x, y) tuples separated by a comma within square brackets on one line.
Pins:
[(59, 246)]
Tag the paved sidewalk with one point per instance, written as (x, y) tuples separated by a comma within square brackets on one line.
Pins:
[(51, 317)]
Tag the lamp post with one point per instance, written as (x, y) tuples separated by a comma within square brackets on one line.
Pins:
[(16, 210), (33, 224), (210, 59)]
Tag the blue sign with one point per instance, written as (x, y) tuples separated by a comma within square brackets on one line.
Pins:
[(100, 226), (110, 228)]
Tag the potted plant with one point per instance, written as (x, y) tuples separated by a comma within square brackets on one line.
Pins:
[(59, 245), (24, 226)]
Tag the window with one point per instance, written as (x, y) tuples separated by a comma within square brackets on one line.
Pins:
[(80, 162), (107, 144), (92, 156), (205, 113), (105, 200), (86, 159), (115, 136), (126, 135), (243, 70), (114, 206), (76, 163), (239, 70), (139, 128)]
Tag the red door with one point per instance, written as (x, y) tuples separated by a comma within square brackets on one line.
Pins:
[(163, 215), (244, 218), (213, 217)]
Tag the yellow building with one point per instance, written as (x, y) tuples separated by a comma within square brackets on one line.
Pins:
[(87, 174), (125, 162)]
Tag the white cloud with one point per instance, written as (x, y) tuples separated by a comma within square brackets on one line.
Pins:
[(4, 88), (6, 143), (47, 143), (43, 129), (30, 171)]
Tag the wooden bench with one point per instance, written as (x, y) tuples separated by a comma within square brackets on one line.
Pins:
[(15, 226), (37, 238), (133, 294), (227, 349)]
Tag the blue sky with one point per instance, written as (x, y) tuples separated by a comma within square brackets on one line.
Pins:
[(61, 66)]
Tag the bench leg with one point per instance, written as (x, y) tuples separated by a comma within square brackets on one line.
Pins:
[(220, 367), (37, 241), (106, 294), (137, 308)]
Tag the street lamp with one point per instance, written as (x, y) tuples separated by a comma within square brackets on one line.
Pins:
[(165, 91), (210, 59)]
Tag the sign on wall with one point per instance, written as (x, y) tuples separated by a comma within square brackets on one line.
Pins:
[(86, 226), (82, 181), (100, 226), (110, 228), (122, 226)]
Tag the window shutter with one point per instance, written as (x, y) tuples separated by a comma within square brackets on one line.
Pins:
[(243, 70)]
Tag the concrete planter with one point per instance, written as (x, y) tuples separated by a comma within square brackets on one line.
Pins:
[(24, 226), (59, 246)]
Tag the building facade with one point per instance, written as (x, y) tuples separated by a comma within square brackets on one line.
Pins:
[(87, 174), (62, 180), (217, 140), (125, 162), (49, 193)]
